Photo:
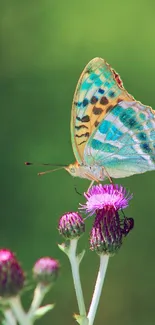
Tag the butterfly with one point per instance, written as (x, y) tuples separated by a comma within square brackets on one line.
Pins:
[(112, 134)]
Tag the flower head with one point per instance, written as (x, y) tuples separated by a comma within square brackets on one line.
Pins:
[(11, 274), (109, 227), (99, 197), (71, 225), (46, 270)]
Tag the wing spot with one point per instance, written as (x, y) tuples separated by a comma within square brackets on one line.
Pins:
[(94, 100), (83, 135), (117, 78), (101, 91), (132, 122), (78, 127), (109, 108), (97, 110), (142, 136), (85, 102), (96, 123), (119, 100), (78, 104), (104, 100), (107, 84), (145, 147), (112, 94), (82, 142), (85, 118)]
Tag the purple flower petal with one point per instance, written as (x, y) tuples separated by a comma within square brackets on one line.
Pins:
[(99, 197)]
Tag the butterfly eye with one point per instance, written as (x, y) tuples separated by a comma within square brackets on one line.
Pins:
[(72, 170)]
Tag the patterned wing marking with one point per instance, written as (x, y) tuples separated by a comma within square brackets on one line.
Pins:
[(99, 89), (124, 142)]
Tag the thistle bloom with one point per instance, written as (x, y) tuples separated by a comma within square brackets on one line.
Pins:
[(46, 270), (99, 197), (109, 227), (11, 274), (71, 225)]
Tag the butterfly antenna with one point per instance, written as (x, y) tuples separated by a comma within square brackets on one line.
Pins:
[(27, 163), (49, 171)]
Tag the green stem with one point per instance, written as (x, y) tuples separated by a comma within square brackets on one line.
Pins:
[(98, 288), (9, 317), (18, 311), (39, 294), (76, 276)]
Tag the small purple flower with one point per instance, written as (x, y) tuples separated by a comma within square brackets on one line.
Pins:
[(99, 197), (71, 225), (104, 240), (11, 274), (46, 270), (109, 227)]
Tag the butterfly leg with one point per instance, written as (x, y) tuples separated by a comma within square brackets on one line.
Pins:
[(91, 184), (91, 178), (77, 191), (104, 172)]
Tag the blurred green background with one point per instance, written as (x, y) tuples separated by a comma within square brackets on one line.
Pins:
[(44, 45)]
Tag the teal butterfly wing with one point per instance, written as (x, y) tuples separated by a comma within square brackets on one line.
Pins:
[(124, 141), (99, 89)]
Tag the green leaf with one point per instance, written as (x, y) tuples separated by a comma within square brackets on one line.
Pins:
[(42, 311), (80, 256), (64, 248)]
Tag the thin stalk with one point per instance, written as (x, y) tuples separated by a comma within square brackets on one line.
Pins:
[(98, 288), (39, 294), (76, 276), (9, 317), (18, 311)]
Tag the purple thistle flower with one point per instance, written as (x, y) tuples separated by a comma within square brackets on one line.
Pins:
[(99, 197), (11, 274), (106, 234), (46, 270), (109, 227)]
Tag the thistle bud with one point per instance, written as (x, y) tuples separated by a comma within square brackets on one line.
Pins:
[(46, 270), (11, 274), (71, 225)]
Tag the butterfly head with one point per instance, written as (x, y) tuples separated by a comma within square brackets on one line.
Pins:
[(73, 169)]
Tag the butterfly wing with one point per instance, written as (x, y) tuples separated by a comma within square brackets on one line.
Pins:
[(124, 142), (99, 89)]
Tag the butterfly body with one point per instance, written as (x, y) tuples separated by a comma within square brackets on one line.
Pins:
[(112, 134), (93, 173)]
